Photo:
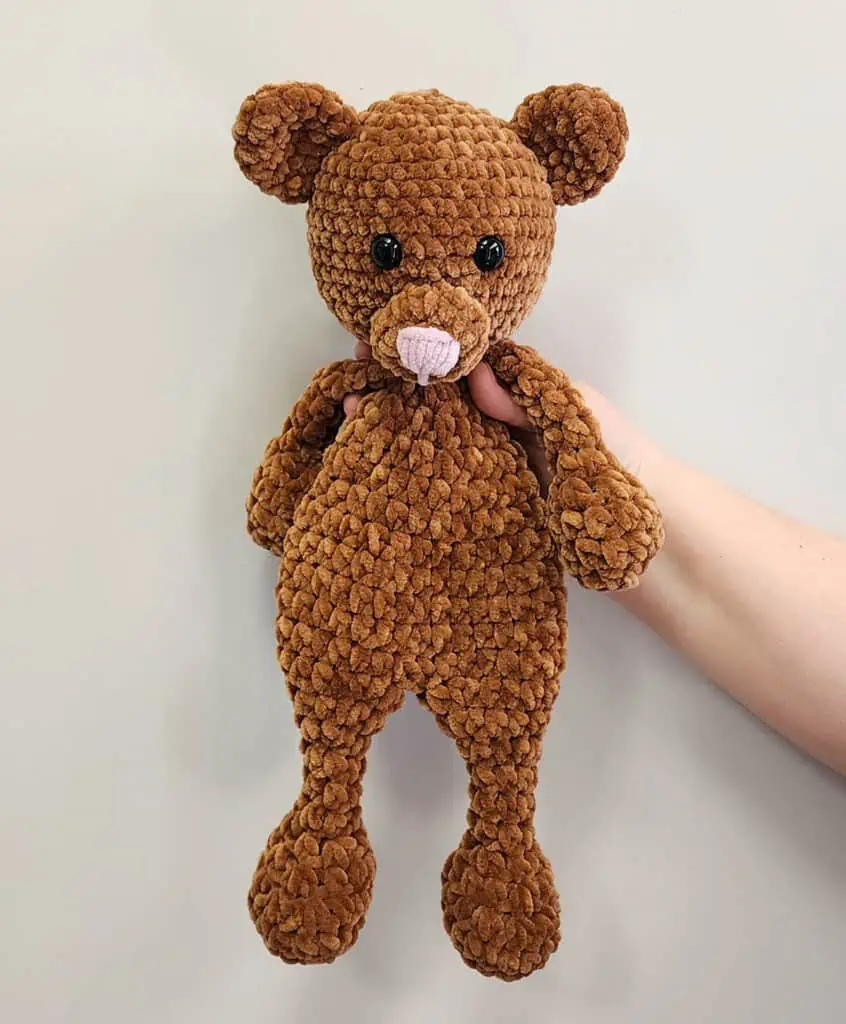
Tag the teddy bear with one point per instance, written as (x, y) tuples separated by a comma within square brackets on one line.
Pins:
[(418, 553)]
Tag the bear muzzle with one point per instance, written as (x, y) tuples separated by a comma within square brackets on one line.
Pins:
[(430, 332)]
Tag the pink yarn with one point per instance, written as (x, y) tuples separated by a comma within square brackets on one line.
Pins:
[(427, 351)]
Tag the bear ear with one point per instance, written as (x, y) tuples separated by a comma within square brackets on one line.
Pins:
[(578, 133), (283, 132)]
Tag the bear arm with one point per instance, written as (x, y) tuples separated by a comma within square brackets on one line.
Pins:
[(605, 524), (293, 459)]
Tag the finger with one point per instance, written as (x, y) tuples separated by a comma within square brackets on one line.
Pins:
[(493, 399), (351, 403), (361, 350)]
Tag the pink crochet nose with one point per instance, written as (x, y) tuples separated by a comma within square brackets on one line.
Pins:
[(427, 351)]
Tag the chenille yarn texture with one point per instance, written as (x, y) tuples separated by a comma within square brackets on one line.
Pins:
[(417, 552)]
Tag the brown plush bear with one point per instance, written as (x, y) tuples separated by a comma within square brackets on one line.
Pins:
[(418, 553)]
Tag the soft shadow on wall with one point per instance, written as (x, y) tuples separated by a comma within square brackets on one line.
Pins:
[(227, 727)]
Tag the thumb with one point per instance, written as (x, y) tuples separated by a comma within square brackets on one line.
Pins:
[(493, 399)]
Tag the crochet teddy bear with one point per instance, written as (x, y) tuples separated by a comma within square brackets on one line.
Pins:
[(418, 553)]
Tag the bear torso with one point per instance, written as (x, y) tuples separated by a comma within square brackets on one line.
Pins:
[(421, 544)]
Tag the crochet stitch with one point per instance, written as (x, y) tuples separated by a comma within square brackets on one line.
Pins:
[(417, 552)]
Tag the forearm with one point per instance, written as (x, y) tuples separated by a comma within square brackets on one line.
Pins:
[(755, 601)]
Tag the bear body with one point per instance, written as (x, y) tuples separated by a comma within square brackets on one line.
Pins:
[(419, 560), (418, 553)]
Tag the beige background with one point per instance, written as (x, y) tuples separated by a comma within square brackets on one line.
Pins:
[(158, 320)]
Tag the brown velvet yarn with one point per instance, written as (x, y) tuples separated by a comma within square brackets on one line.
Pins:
[(417, 554), (578, 133)]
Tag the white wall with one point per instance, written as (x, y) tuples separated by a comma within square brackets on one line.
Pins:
[(158, 320)]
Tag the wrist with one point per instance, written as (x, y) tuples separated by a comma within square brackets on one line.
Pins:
[(657, 470), (665, 584)]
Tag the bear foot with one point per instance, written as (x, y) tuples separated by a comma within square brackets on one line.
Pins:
[(501, 908), (310, 893)]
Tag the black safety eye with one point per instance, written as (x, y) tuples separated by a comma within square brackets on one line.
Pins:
[(490, 252), (386, 252)]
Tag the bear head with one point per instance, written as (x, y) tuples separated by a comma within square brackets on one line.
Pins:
[(430, 222)]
